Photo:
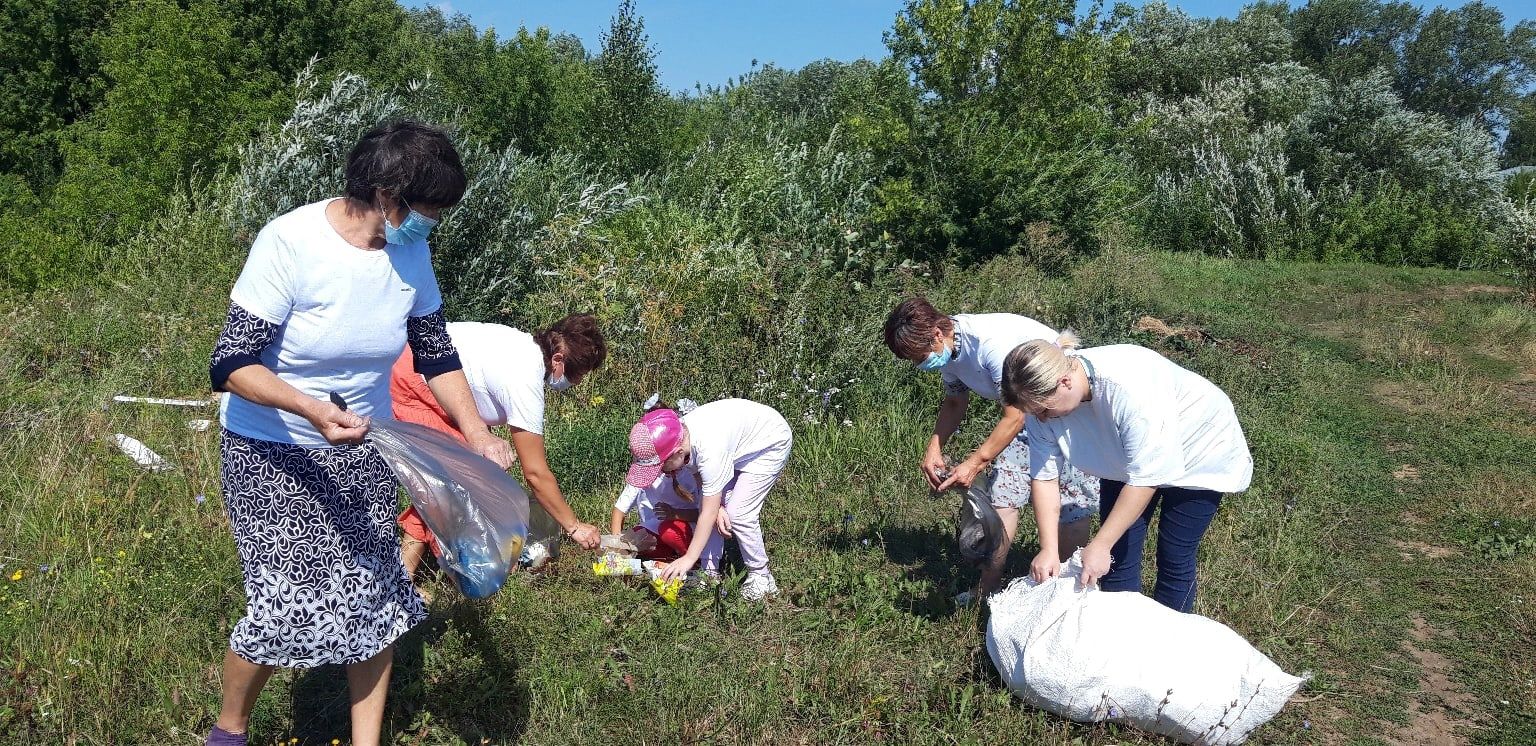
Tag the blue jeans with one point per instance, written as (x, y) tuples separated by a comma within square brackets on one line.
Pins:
[(1186, 513)]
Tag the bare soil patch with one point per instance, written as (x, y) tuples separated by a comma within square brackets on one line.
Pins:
[(1462, 291), (1422, 549), (1401, 397), (1440, 706)]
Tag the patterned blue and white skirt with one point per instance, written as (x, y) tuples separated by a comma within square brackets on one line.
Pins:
[(1010, 483), (315, 528)]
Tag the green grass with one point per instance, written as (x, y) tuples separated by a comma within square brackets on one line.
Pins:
[(1342, 375)]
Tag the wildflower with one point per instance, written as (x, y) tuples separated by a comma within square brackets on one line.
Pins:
[(1114, 713), (335, 742), (200, 499), (15, 576), (1306, 725), (44, 568), (847, 423), (598, 401)]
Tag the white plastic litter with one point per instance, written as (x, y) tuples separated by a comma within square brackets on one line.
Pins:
[(199, 426), (140, 453), (167, 402), (1092, 656), (534, 555), (543, 531)]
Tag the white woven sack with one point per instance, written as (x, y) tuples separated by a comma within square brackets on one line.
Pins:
[(1092, 656)]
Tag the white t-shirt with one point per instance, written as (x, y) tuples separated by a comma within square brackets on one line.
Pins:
[(659, 493), (505, 368), (985, 339), (736, 435), (341, 312), (1150, 423)]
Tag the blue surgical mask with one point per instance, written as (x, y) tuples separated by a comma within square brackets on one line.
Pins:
[(936, 360), (415, 227), (559, 384)]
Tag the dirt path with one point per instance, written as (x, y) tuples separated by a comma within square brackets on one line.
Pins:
[(1442, 709), (1435, 386)]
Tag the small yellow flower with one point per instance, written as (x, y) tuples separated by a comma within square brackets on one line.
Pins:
[(598, 401), (335, 742), (15, 576)]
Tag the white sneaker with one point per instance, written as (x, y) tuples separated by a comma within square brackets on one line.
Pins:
[(757, 587)]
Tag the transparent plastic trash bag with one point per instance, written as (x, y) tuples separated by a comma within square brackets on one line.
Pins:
[(478, 513), (978, 527)]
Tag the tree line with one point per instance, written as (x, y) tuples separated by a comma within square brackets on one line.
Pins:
[(1334, 130)]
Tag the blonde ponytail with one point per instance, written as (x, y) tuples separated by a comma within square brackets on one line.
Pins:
[(681, 491), (1032, 370)]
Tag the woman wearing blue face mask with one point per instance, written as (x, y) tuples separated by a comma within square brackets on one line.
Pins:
[(968, 351), (509, 372), (328, 296)]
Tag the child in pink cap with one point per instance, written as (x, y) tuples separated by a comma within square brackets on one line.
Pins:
[(736, 449)]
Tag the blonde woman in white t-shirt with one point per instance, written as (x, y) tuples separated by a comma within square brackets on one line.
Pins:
[(1162, 439), (968, 351)]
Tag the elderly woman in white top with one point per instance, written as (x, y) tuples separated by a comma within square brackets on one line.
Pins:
[(329, 295), (1161, 438), (968, 351)]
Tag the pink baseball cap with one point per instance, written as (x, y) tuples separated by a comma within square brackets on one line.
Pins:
[(651, 441)]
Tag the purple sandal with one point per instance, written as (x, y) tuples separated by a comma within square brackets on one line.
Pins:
[(221, 737)]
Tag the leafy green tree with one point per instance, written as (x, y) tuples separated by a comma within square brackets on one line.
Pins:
[(358, 36), (1011, 129), (630, 123), (47, 66), (1347, 39), (1463, 64), (182, 92), (872, 102), (1520, 144), (532, 89), (1165, 51)]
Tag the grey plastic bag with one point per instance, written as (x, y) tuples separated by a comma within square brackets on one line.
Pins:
[(978, 527), (478, 513)]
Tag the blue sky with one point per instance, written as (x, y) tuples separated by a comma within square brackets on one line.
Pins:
[(710, 41)]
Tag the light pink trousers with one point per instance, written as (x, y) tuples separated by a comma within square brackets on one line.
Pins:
[(743, 502)]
